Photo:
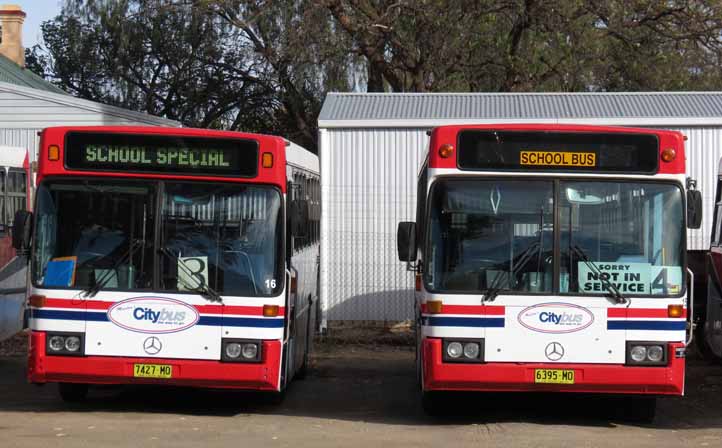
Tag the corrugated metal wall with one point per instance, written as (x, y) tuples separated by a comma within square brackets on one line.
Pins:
[(704, 149), (368, 179), (368, 185)]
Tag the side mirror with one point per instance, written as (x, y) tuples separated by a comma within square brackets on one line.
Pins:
[(406, 241), (299, 218), (694, 209), (22, 230)]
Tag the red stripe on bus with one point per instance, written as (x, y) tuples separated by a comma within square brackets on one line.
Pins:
[(489, 310), (640, 312), (204, 309)]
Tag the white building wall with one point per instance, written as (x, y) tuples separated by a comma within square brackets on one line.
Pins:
[(368, 180)]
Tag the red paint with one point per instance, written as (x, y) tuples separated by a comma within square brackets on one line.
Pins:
[(267, 143), (186, 372), (632, 313), (589, 378), (448, 134), (488, 310), (203, 309)]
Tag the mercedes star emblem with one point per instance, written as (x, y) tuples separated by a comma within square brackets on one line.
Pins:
[(152, 345), (554, 351)]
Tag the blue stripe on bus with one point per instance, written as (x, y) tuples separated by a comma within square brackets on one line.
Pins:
[(240, 322), (69, 315), (495, 322), (216, 321), (675, 325)]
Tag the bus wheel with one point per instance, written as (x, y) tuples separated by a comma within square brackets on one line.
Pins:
[(433, 403), (638, 409), (72, 392), (275, 398)]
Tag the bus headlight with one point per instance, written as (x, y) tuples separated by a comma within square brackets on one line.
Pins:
[(463, 350), (647, 353), (233, 350), (72, 343), (66, 344), (250, 351), (241, 350)]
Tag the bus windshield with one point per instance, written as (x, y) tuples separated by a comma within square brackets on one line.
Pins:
[(222, 236), (489, 234)]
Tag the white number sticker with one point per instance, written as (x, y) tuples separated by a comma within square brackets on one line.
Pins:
[(270, 283)]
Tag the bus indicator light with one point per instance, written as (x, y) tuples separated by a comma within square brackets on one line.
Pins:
[(270, 310), (53, 153), (446, 150), (37, 301), (675, 311), (267, 160), (433, 306), (668, 154)]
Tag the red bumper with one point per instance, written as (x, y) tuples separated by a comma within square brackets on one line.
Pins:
[(185, 372), (588, 378)]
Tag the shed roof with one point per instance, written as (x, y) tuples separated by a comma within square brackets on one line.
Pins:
[(12, 73), (385, 110)]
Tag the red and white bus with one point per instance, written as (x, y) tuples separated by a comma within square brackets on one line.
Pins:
[(170, 256), (552, 258)]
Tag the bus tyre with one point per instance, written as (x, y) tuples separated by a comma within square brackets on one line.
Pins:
[(433, 403), (639, 410), (72, 392)]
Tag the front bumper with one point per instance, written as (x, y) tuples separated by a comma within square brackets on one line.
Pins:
[(185, 372), (589, 378)]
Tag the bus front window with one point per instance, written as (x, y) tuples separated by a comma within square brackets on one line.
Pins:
[(225, 236), (489, 234), (89, 233), (631, 233)]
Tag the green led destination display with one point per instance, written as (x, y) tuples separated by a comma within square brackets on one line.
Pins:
[(161, 154)]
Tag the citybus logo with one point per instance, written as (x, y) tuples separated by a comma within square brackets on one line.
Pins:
[(555, 318), (155, 315)]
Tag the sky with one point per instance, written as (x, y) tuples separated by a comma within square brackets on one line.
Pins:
[(37, 12)]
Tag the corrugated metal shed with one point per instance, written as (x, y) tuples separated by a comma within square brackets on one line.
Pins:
[(24, 111), (433, 109), (371, 147)]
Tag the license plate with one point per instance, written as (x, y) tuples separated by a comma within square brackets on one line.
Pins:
[(554, 376), (152, 371)]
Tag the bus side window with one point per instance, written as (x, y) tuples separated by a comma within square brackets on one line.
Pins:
[(14, 192)]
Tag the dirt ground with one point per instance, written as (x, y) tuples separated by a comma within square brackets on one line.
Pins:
[(356, 395)]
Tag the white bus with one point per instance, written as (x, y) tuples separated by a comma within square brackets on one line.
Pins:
[(14, 183)]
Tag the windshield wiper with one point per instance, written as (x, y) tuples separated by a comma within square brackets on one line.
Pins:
[(97, 285), (609, 286), (203, 289), (523, 258)]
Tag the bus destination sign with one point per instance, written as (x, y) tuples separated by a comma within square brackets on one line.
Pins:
[(549, 158), (161, 154), (481, 149)]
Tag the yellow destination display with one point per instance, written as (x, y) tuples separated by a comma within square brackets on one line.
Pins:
[(547, 158), (553, 376), (152, 371)]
